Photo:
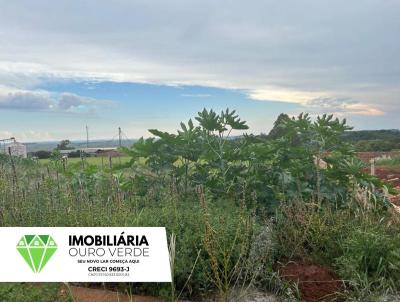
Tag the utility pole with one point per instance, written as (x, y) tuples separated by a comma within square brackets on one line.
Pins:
[(372, 161), (87, 137), (120, 137)]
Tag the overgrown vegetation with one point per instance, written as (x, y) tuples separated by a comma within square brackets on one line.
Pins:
[(233, 205), (374, 140), (395, 161), (29, 292)]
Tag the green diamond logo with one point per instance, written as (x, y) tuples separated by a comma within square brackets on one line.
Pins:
[(36, 250)]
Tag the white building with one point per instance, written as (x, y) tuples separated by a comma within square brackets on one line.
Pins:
[(16, 149)]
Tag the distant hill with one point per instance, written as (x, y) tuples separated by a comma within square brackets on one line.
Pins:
[(364, 140), (49, 146), (374, 140), (355, 136)]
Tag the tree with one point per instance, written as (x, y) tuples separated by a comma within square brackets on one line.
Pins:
[(64, 145), (42, 154), (279, 130)]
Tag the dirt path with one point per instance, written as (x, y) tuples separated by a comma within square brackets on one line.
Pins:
[(84, 294)]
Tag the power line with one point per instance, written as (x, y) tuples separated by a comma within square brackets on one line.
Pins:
[(121, 138)]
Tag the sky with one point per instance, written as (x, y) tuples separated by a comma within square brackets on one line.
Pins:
[(152, 64)]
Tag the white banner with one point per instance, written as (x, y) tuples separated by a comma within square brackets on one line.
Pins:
[(99, 254)]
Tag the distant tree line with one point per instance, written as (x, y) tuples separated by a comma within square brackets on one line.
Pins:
[(63, 145), (374, 140), (363, 141), (44, 154)]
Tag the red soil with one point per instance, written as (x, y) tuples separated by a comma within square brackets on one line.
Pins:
[(315, 283), (390, 174), (84, 294), (396, 200)]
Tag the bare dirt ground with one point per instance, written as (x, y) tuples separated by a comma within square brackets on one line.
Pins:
[(84, 294), (260, 297), (315, 282), (390, 174)]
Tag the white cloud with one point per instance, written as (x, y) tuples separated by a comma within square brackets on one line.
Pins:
[(290, 51), (342, 107), (27, 101), (28, 136), (31, 100), (6, 134), (282, 95), (318, 102), (361, 109)]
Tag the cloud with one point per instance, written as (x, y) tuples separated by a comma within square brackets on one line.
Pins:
[(29, 135), (318, 102), (361, 109), (70, 102), (281, 95), (291, 51), (27, 101), (342, 107), (22, 100)]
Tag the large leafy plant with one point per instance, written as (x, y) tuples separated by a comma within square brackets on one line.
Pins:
[(303, 159)]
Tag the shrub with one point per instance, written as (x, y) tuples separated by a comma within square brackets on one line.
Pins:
[(362, 246), (29, 292), (303, 230), (371, 259), (395, 161)]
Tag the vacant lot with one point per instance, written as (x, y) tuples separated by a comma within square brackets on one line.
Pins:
[(243, 214)]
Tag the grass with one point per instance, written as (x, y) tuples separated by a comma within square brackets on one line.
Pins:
[(40, 292), (392, 162), (93, 197), (363, 247), (222, 246)]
